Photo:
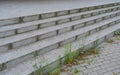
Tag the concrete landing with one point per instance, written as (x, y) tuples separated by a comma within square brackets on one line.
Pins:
[(106, 63), (11, 9)]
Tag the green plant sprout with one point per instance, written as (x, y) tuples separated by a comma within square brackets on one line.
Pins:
[(68, 54), (76, 54), (71, 58), (38, 69), (76, 71), (93, 49), (90, 61), (49, 72), (110, 41), (55, 71), (96, 43), (49, 69), (117, 32)]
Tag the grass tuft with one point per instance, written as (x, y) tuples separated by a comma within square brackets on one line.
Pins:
[(117, 33), (38, 70), (76, 71), (68, 54), (110, 41)]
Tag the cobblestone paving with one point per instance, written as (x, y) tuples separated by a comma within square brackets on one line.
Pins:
[(106, 63)]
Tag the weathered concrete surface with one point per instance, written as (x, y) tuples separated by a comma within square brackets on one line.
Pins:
[(106, 63), (10, 9)]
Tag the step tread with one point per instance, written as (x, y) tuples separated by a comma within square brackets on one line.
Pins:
[(26, 67), (16, 26), (15, 53), (44, 8), (7, 40)]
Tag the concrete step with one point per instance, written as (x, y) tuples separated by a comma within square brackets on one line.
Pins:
[(27, 38), (33, 23), (26, 67), (16, 38), (37, 46)]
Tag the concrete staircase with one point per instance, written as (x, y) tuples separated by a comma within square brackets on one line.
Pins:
[(29, 40)]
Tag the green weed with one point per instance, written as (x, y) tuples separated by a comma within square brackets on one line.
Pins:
[(58, 66), (68, 54), (55, 71), (90, 61), (76, 71), (76, 54), (117, 33), (110, 41), (96, 43), (38, 69)]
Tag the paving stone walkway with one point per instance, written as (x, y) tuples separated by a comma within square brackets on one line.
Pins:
[(106, 63)]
